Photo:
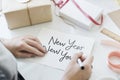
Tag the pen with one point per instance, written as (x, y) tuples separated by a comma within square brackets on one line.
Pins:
[(81, 64)]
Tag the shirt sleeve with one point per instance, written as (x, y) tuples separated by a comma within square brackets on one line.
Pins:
[(8, 65)]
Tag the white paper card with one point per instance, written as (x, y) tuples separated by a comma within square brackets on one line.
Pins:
[(61, 47)]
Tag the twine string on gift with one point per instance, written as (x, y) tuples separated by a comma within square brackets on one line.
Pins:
[(28, 12), (61, 4)]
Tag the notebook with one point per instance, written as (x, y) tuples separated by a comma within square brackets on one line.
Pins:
[(61, 47), (115, 16)]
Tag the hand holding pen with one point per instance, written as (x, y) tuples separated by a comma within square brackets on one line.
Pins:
[(77, 71)]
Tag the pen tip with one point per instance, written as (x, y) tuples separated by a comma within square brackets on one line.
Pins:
[(82, 67)]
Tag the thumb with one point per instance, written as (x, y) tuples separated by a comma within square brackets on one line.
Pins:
[(89, 60)]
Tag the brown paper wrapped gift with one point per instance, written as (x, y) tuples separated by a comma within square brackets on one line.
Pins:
[(24, 14)]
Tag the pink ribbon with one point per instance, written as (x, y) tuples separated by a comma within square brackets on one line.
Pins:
[(88, 16), (61, 3), (115, 67)]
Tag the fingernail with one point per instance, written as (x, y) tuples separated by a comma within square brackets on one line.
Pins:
[(41, 54), (45, 51)]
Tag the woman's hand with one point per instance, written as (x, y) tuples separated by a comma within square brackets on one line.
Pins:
[(24, 47), (74, 71)]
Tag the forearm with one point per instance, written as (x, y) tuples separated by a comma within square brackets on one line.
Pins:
[(7, 62)]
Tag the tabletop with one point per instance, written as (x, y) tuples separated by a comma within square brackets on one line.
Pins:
[(35, 71)]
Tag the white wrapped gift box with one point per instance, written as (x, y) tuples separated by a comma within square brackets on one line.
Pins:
[(71, 12)]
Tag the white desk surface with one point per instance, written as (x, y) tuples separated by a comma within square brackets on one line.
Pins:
[(33, 71), (0, 5)]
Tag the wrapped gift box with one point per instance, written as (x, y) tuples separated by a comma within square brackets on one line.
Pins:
[(24, 14), (71, 13)]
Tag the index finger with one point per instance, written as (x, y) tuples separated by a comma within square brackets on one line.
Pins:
[(31, 49), (33, 38)]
